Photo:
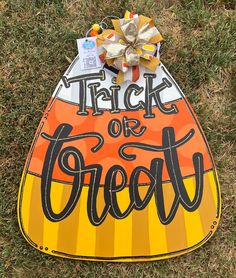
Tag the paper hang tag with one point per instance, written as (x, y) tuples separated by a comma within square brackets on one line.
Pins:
[(88, 52)]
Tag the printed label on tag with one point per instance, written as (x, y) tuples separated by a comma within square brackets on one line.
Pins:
[(88, 53)]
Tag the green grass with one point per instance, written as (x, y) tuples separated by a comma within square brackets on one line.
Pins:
[(37, 43)]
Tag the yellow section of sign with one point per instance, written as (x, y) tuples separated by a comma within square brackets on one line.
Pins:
[(138, 237)]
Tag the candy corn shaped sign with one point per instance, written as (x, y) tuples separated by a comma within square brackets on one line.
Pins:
[(118, 172)]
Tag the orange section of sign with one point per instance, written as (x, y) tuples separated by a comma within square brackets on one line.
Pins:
[(63, 112)]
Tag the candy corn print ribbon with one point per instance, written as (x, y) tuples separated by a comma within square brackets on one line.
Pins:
[(132, 44)]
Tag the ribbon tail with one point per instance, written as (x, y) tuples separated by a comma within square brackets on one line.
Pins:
[(120, 78), (135, 73), (152, 64)]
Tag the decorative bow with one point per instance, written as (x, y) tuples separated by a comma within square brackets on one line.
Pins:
[(133, 42)]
